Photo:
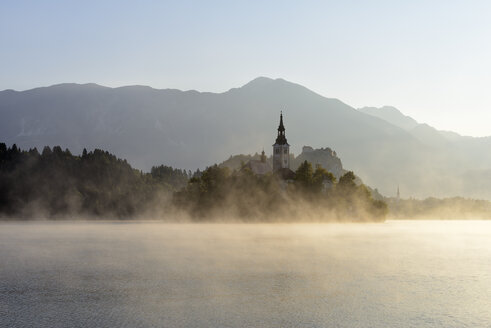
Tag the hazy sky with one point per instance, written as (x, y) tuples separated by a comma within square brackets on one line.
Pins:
[(430, 59)]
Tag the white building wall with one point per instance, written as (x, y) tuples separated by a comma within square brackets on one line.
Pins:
[(281, 156)]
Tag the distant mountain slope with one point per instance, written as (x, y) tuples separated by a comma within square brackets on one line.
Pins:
[(473, 155), (190, 129), (475, 150), (391, 115), (423, 132)]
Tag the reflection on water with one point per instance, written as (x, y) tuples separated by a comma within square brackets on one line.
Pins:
[(395, 274)]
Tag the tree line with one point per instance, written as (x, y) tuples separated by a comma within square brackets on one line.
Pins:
[(57, 184), (96, 184), (312, 195)]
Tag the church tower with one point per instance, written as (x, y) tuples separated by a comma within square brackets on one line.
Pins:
[(281, 149)]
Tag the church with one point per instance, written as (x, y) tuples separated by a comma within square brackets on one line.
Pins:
[(281, 158), (281, 154)]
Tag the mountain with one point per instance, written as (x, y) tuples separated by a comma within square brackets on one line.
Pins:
[(473, 149), (391, 115), (471, 153), (423, 132), (191, 129)]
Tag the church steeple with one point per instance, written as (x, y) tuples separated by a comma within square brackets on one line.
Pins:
[(263, 157), (281, 127), (281, 149), (281, 139)]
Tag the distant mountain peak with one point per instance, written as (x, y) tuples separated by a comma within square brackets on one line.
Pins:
[(83, 85), (263, 81), (258, 83), (391, 115), (260, 79)]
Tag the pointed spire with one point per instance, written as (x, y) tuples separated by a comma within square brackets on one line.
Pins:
[(281, 139), (281, 128), (263, 156)]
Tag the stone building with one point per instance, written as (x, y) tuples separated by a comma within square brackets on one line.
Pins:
[(281, 154), (259, 167), (281, 158), (281, 149)]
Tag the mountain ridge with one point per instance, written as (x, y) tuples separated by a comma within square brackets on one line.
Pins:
[(191, 129)]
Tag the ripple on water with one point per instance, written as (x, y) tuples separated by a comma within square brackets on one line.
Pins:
[(396, 274)]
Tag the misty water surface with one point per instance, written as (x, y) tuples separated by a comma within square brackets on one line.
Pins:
[(113, 274)]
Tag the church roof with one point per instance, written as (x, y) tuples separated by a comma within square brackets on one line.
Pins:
[(281, 138), (281, 127), (259, 167)]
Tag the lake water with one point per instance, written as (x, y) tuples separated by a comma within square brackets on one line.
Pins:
[(116, 274)]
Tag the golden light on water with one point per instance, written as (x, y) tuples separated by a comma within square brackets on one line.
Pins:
[(397, 274)]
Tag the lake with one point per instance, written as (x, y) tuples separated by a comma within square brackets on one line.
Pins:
[(152, 274)]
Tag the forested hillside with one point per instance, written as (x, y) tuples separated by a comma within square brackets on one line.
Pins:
[(98, 185), (55, 183)]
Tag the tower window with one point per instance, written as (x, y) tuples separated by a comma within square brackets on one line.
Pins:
[(286, 151)]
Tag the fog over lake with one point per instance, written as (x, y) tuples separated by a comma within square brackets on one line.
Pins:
[(152, 274)]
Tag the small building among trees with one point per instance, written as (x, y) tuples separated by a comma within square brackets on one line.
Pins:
[(259, 167)]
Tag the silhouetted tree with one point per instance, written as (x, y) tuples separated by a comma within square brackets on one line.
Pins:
[(95, 184), (304, 176)]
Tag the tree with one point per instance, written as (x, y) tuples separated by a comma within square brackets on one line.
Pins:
[(46, 151), (347, 181), (304, 176), (57, 151), (310, 181), (174, 177), (320, 177)]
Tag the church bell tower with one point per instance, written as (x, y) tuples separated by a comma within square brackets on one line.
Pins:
[(281, 149)]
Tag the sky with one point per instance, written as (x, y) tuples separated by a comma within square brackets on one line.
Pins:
[(430, 59)]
